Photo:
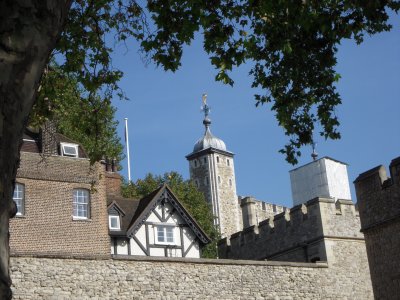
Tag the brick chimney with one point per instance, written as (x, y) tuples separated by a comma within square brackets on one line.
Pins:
[(113, 179), (48, 138)]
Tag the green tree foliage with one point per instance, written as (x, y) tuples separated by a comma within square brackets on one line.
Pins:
[(188, 195), (85, 118), (291, 45)]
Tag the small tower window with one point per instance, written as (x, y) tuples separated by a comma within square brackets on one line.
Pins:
[(217, 159), (195, 163), (219, 179), (230, 182), (263, 206), (205, 160), (228, 162)]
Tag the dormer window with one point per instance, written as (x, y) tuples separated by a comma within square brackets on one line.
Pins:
[(113, 222), (70, 150)]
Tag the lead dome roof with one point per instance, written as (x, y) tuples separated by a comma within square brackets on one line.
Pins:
[(209, 141)]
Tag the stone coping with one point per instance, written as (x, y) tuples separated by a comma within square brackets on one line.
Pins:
[(220, 261), (208, 261)]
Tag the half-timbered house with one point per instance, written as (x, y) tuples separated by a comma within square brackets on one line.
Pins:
[(156, 225)]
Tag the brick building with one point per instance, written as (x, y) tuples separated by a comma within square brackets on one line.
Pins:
[(60, 199), (69, 208)]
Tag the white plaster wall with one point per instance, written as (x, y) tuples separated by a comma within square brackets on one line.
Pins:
[(157, 252), (194, 252), (188, 238), (141, 236), (122, 246), (175, 220)]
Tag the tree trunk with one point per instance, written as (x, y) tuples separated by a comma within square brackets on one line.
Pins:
[(28, 32)]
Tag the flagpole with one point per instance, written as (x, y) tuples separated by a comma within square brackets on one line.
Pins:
[(127, 149)]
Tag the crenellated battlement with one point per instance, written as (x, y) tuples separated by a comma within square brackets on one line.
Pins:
[(300, 231), (378, 198), (379, 195)]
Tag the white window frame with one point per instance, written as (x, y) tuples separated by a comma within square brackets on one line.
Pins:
[(110, 217), (165, 229), (64, 153), (81, 204), (19, 198)]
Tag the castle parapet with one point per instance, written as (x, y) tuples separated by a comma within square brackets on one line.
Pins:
[(376, 195), (300, 231), (379, 203)]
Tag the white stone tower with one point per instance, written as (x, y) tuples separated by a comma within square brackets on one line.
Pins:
[(212, 169)]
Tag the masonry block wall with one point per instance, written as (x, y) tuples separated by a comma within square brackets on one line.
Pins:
[(379, 205), (161, 278), (47, 225)]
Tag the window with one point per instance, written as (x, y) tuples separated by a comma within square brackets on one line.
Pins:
[(230, 182), (263, 206), (165, 234), (219, 179), (228, 162), (81, 204), (113, 222), (69, 150), (205, 160), (217, 159), (206, 181), (195, 163), (19, 198)]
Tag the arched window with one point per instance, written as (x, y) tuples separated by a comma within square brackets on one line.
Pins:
[(81, 204), (19, 198)]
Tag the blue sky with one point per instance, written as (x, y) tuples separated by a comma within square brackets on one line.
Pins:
[(165, 119)]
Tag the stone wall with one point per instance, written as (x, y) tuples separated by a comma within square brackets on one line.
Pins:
[(163, 278), (254, 211), (379, 204), (296, 235), (47, 225), (213, 173)]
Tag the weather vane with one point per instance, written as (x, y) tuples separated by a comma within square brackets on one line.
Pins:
[(205, 108), (314, 154)]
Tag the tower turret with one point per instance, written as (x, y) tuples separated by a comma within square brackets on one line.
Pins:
[(211, 167)]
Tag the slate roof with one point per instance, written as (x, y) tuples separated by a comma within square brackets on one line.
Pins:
[(32, 142), (128, 208), (137, 211)]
